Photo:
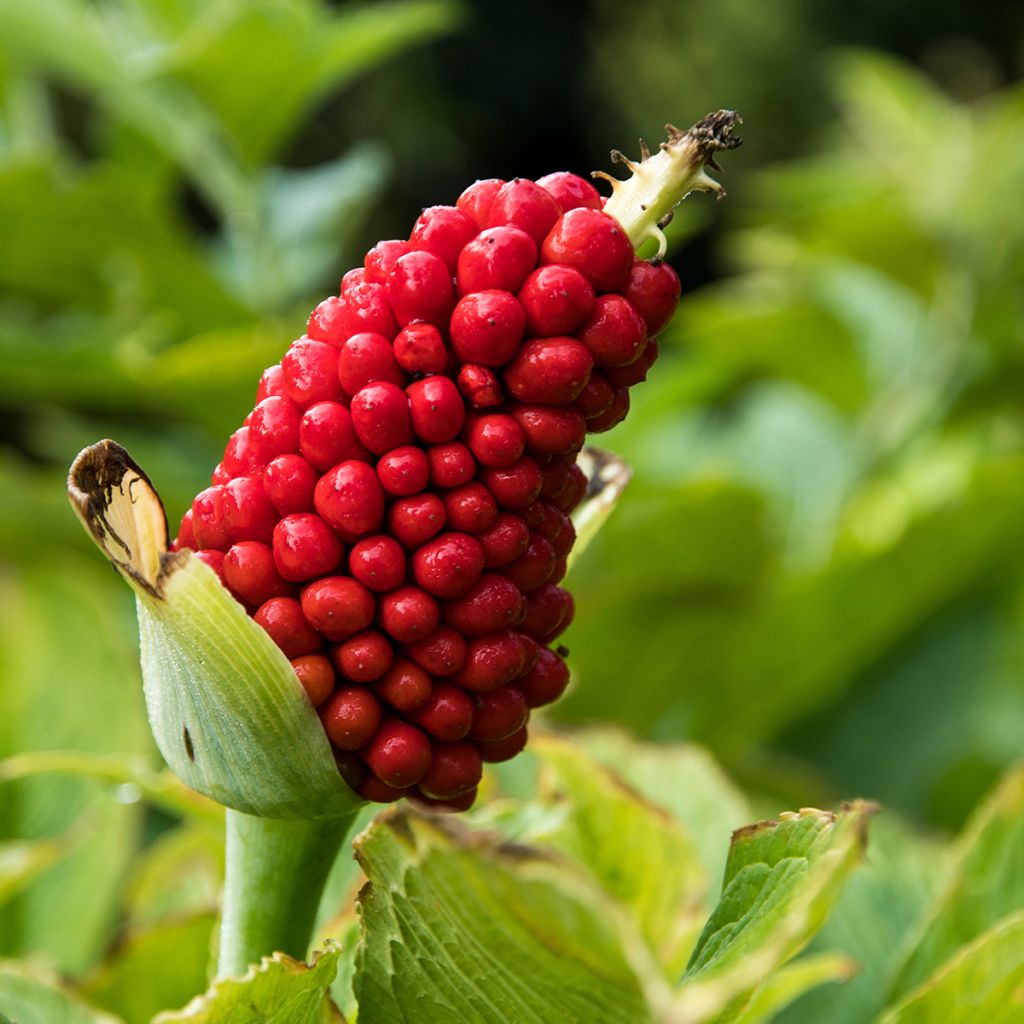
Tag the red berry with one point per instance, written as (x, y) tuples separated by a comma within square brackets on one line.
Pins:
[(653, 289), (443, 231), (448, 565), (496, 439), (525, 205), (363, 657), (498, 714), (451, 464), (208, 526), (186, 538), (366, 306), (372, 789), (615, 332), (247, 513), (556, 476), (533, 568), (350, 499), (378, 563), (441, 653), (486, 327), (380, 415), (337, 606), (491, 661), (491, 604), (351, 716), (497, 258), (271, 383), (514, 486), (251, 574), (436, 408), (408, 614), (447, 714), (556, 300), (240, 458), (613, 415), (504, 541), (420, 288), (477, 200), (454, 806), (311, 373), (630, 375), (403, 470), (549, 611), (596, 398), (328, 322), (570, 190), (399, 754), (288, 482), (470, 508), (316, 675), (415, 519), (494, 751), (405, 686), (305, 547), (282, 619), (274, 427), (215, 560), (327, 436), (365, 358), (455, 768), (420, 348), (551, 430), (479, 385), (546, 681), (595, 244), (575, 490), (381, 258), (549, 370)]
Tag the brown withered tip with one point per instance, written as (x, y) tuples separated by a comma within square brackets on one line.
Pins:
[(119, 507)]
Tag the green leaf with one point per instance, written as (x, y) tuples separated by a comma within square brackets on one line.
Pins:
[(983, 983), (21, 861), (638, 853), (29, 995), (226, 709), (786, 984), (781, 880), (987, 883), (459, 927), (279, 991), (153, 968)]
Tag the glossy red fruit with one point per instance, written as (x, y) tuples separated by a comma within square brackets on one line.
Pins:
[(551, 430), (282, 619), (240, 458), (546, 681), (447, 714), (486, 327), (271, 383), (305, 547), (436, 408), (491, 661), (420, 348), (550, 371), (251, 575), (351, 716), (615, 332), (451, 464), (405, 686), (455, 768), (289, 481), (350, 498), (311, 373), (495, 439), (499, 258), (363, 657), (381, 258), (420, 288), (378, 563), (408, 614), (524, 204), (547, 608), (504, 541), (555, 300), (208, 526), (403, 470), (448, 565), (534, 567), (316, 675), (215, 560), (247, 513), (470, 508), (412, 521), (365, 358), (595, 244), (372, 789), (274, 427), (613, 415), (653, 289), (443, 231), (570, 190), (514, 486), (479, 385), (596, 397), (327, 436), (477, 200), (441, 653), (498, 714), (491, 604), (337, 606), (495, 751), (328, 322), (399, 754), (380, 415), (366, 306)]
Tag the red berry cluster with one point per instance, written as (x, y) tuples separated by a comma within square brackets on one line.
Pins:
[(395, 510)]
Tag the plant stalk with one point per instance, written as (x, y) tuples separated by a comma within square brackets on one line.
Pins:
[(275, 874)]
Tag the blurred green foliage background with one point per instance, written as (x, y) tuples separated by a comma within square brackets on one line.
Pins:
[(818, 570)]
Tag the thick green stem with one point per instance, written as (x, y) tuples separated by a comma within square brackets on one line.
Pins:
[(276, 870)]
